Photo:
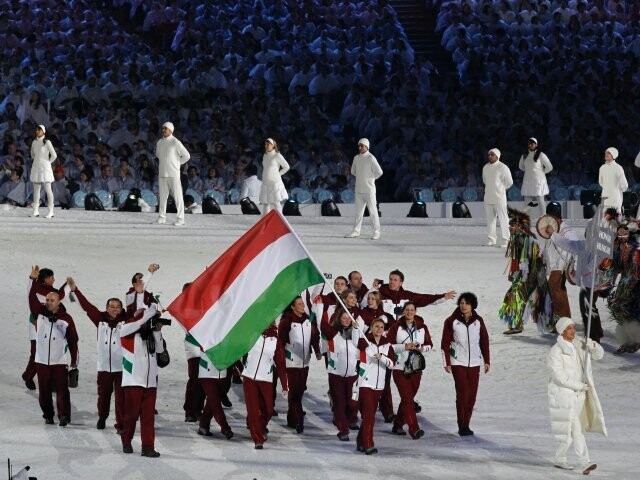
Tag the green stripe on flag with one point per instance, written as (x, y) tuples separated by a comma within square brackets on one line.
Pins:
[(128, 366), (188, 338), (274, 299)]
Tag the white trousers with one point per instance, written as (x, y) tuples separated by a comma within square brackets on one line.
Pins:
[(493, 212), (173, 185), (36, 196), (367, 200), (576, 437), (267, 207), (542, 206)]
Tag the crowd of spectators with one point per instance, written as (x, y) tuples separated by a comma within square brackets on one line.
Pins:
[(316, 75)]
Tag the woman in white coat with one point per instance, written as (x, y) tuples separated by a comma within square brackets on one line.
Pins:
[(535, 165), (573, 403), (43, 155), (272, 192), (612, 179)]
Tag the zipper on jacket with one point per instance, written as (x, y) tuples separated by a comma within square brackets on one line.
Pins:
[(303, 354), (148, 366), (346, 370), (110, 334), (468, 347), (259, 358), (49, 353), (378, 374)]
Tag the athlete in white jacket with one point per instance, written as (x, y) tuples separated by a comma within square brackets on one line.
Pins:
[(612, 179), (496, 177), (172, 155), (366, 169)]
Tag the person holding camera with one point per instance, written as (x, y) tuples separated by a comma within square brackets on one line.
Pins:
[(55, 331), (409, 337), (137, 297), (465, 348), (109, 352)]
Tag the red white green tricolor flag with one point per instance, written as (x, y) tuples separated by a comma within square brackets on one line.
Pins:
[(228, 307)]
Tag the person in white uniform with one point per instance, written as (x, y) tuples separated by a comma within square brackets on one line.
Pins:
[(43, 155), (272, 191), (535, 165), (172, 155), (612, 179), (497, 179), (367, 170), (251, 186)]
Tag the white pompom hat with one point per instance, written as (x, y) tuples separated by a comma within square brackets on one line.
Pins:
[(613, 151), (364, 141), (169, 126), (562, 324)]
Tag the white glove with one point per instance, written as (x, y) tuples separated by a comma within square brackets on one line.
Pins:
[(584, 388)]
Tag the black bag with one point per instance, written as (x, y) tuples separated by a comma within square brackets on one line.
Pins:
[(163, 358), (73, 378), (415, 362), (92, 202)]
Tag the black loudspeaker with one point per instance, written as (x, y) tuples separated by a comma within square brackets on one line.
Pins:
[(329, 209), (291, 208), (589, 209), (459, 209), (248, 207), (418, 210), (92, 202), (171, 205), (590, 196), (131, 202), (210, 206), (554, 209)]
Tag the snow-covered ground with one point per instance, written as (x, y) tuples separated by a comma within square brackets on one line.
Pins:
[(102, 250)]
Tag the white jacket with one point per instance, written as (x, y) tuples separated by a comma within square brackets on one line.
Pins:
[(298, 351), (191, 347), (613, 181), (251, 188), (497, 180), (208, 370), (172, 155), (373, 371), (565, 389), (43, 155), (139, 367), (556, 258), (367, 170), (417, 335), (534, 183), (260, 364), (342, 356), (109, 348)]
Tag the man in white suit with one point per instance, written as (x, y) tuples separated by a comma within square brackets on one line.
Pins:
[(366, 169), (172, 155), (497, 180)]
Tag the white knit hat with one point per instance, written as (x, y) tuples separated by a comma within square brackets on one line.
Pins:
[(271, 141), (41, 127), (364, 141), (496, 152), (562, 324), (533, 139), (169, 126), (613, 151)]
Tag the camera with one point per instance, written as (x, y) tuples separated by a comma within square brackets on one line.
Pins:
[(328, 276), (158, 320), (398, 310)]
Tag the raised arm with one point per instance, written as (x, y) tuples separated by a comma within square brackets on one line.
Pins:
[(92, 312), (132, 327)]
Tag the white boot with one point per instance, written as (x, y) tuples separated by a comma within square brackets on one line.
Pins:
[(50, 214), (35, 213)]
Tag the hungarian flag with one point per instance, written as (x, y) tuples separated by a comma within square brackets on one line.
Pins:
[(236, 298)]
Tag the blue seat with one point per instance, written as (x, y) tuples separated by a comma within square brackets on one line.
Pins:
[(575, 192), (122, 196), (424, 194), (301, 195), (348, 196), (105, 197), (561, 193), (470, 194), (448, 195), (149, 198), (78, 199), (234, 195), (216, 195), (595, 186), (514, 194), (196, 196), (323, 194)]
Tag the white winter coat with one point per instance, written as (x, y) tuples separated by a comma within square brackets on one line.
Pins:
[(343, 354), (534, 183), (566, 398), (373, 371), (139, 367), (172, 154), (497, 180), (613, 181), (367, 170), (273, 167), (43, 155), (260, 363), (556, 258), (208, 370)]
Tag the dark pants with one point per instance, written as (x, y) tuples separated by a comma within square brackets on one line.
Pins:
[(407, 388), (368, 400), (466, 380), (30, 371), (139, 402), (259, 401), (108, 382), (193, 395), (345, 410), (386, 400), (596, 332), (212, 388), (558, 290), (50, 378), (297, 379)]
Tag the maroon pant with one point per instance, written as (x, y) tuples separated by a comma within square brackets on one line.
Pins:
[(466, 380), (297, 378), (345, 410), (386, 400), (50, 378), (30, 371), (407, 388), (368, 400), (258, 397), (108, 382), (193, 395), (139, 402), (213, 388)]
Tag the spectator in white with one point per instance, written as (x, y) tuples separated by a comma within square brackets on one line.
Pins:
[(496, 177), (251, 186), (272, 191), (171, 154), (61, 192), (573, 403), (366, 169), (43, 155), (535, 165), (612, 180)]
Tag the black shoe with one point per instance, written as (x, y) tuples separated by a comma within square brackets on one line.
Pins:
[(205, 432), (30, 384), (190, 418), (390, 419), (299, 428), (258, 446), (343, 438), (417, 407), (64, 421), (127, 448), (418, 434), (275, 413), (226, 402), (398, 431), (360, 448), (354, 426), (149, 452), (228, 434), (101, 424), (465, 432), (48, 420), (371, 451)]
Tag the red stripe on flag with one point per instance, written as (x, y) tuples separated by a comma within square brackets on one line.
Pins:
[(204, 292), (363, 356), (128, 343)]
